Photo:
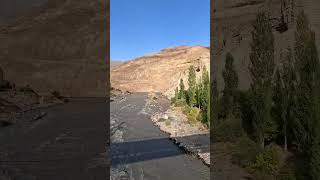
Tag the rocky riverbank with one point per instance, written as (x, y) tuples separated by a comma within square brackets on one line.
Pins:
[(193, 137), (16, 101)]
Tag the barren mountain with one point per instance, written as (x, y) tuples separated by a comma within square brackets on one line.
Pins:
[(60, 45), (232, 25), (160, 72), (114, 64)]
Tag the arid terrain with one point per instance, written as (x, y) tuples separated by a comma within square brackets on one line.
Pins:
[(232, 24), (140, 150), (50, 49), (41, 47), (115, 64), (160, 72), (146, 84)]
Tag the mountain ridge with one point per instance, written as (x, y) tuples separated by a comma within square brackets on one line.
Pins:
[(161, 71)]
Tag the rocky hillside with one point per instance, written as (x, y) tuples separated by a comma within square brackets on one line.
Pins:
[(160, 72), (53, 47), (231, 29), (115, 64)]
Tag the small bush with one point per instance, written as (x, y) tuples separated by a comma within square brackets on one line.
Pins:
[(161, 120), (245, 151), (180, 103), (267, 163), (173, 101), (186, 110), (200, 116), (228, 130), (168, 123), (193, 114)]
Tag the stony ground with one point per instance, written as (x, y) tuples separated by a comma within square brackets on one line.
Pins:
[(14, 102), (194, 137)]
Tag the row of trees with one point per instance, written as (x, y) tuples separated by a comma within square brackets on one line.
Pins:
[(283, 103), (198, 93)]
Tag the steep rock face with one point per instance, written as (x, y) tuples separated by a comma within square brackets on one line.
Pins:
[(160, 72), (232, 25), (60, 45)]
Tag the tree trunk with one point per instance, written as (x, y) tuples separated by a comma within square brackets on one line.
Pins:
[(285, 142), (261, 141), (262, 144)]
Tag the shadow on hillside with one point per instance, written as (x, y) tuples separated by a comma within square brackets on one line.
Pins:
[(144, 150)]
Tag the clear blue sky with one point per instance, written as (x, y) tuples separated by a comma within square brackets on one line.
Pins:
[(139, 27)]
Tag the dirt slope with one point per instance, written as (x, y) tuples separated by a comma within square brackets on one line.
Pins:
[(56, 45), (231, 27), (160, 72), (115, 64)]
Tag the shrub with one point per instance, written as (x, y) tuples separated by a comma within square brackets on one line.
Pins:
[(161, 120), (173, 101), (200, 116), (245, 151), (228, 130), (186, 109), (180, 103), (267, 163), (168, 123), (193, 114)]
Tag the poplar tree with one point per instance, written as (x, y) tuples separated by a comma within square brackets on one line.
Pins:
[(307, 68), (182, 91), (261, 70), (231, 81), (192, 82), (308, 95), (205, 95)]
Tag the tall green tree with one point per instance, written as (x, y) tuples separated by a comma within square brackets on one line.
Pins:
[(262, 69), (289, 86), (182, 91), (199, 93), (231, 81), (192, 82), (176, 95), (308, 95), (205, 95), (284, 94), (307, 68)]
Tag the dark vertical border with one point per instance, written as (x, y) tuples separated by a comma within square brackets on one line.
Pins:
[(212, 77), (108, 87)]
